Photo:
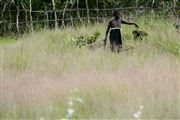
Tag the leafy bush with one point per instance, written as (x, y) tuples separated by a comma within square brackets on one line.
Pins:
[(85, 40)]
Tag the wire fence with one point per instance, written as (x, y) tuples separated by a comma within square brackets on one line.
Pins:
[(94, 9), (23, 20)]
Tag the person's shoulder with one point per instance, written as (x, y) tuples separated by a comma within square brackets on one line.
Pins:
[(111, 20)]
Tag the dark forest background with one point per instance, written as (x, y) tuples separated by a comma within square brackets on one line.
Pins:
[(24, 15)]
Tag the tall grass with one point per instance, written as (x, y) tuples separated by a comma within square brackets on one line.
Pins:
[(41, 69)]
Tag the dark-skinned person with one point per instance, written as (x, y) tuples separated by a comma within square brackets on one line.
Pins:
[(114, 27)]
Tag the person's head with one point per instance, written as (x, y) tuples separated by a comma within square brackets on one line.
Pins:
[(116, 13)]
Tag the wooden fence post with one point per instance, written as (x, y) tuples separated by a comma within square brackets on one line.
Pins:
[(104, 7), (87, 8), (55, 15), (17, 18), (46, 17), (72, 23), (10, 22), (2, 15), (64, 13), (174, 8), (97, 10), (77, 9), (176, 19), (152, 5), (136, 7), (30, 15), (26, 16), (26, 19), (152, 10)]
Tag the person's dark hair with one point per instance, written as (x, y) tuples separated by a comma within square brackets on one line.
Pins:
[(115, 12)]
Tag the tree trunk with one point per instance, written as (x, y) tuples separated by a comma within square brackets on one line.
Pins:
[(17, 19), (147, 4), (174, 8), (77, 9), (26, 16), (136, 6), (97, 10), (153, 1), (72, 23), (176, 19), (30, 15), (105, 12), (152, 10), (87, 8), (10, 21), (55, 15), (64, 13), (2, 15), (46, 17), (26, 19)]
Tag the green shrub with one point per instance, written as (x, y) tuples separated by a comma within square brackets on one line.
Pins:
[(85, 40)]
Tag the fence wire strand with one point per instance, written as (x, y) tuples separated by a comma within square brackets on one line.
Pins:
[(103, 13)]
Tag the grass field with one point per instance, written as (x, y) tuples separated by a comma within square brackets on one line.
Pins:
[(7, 41), (43, 76)]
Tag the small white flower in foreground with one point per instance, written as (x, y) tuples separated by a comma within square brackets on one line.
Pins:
[(70, 103), (70, 112), (64, 119), (136, 115), (79, 100), (41, 118), (75, 90), (51, 107), (141, 107), (138, 112)]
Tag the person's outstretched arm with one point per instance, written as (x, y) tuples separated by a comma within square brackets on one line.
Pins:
[(129, 23), (106, 34)]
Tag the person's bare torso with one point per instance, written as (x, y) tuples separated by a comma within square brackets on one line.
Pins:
[(115, 23)]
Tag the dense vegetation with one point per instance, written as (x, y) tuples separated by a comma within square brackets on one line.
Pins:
[(66, 72), (22, 15), (45, 76), (40, 4)]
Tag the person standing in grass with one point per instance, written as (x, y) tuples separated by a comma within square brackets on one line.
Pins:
[(115, 32)]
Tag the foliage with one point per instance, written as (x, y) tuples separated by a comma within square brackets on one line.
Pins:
[(37, 81), (81, 41), (40, 5)]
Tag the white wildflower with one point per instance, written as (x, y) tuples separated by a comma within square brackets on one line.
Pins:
[(70, 112), (41, 118), (138, 112), (70, 103), (75, 90), (79, 100), (64, 119), (136, 115), (51, 107), (141, 107)]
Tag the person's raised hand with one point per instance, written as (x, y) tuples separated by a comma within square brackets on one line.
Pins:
[(136, 25), (105, 43)]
